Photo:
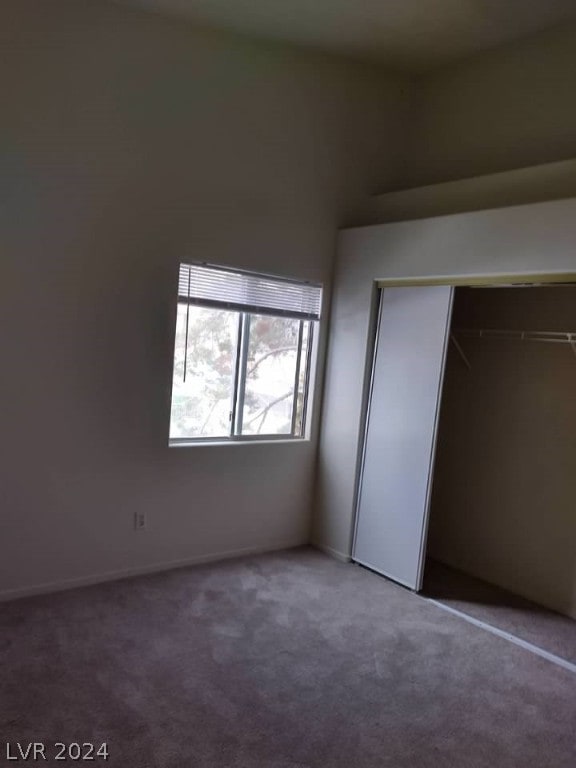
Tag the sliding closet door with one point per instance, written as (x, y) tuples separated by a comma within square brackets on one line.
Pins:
[(394, 498)]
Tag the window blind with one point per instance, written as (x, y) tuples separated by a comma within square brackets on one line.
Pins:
[(210, 286)]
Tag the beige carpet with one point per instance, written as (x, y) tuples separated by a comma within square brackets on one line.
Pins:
[(281, 661)]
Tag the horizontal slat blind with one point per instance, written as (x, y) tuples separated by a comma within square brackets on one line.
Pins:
[(211, 286)]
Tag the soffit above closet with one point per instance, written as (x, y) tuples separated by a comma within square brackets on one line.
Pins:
[(413, 35), (521, 186)]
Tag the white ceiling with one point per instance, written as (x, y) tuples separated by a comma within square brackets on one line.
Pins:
[(410, 34)]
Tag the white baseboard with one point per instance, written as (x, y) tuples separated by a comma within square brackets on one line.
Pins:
[(336, 554), (126, 573)]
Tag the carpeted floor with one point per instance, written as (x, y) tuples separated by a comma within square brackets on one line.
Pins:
[(501, 609), (280, 661)]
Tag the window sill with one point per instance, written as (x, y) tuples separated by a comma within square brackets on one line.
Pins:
[(220, 443)]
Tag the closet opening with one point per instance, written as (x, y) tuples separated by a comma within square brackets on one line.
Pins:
[(467, 483), (501, 543)]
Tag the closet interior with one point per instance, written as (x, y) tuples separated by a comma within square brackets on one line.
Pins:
[(501, 542)]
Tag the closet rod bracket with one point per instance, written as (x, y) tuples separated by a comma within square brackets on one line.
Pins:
[(461, 351)]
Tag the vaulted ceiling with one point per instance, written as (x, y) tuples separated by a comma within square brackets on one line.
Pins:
[(409, 34)]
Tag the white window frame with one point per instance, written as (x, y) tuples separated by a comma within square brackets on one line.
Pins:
[(240, 370)]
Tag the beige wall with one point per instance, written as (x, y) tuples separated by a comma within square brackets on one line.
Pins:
[(129, 143), (505, 485), (507, 108)]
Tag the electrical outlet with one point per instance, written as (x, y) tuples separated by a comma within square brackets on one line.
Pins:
[(140, 521)]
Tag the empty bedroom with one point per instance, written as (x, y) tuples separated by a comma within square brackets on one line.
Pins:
[(288, 359)]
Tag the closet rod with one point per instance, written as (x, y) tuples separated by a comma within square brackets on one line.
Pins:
[(555, 337)]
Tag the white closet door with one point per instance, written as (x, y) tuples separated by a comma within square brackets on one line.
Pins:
[(396, 481)]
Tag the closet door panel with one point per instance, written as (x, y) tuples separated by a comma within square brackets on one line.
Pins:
[(400, 440)]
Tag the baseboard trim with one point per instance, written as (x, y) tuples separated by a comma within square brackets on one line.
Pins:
[(335, 553), (63, 585)]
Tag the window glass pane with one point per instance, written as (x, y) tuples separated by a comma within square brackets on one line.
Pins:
[(202, 394), (270, 375)]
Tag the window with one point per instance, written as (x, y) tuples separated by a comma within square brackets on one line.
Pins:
[(242, 355)]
